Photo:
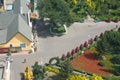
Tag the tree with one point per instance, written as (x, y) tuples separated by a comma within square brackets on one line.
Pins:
[(56, 10), (117, 69), (109, 42), (66, 69), (116, 59)]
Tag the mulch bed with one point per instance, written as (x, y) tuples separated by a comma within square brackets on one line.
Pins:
[(89, 63)]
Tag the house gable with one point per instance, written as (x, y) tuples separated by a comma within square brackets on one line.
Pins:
[(16, 41)]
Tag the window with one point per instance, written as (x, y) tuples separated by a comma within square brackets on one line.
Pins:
[(23, 45), (11, 45)]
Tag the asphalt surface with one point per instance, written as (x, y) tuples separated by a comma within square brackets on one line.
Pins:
[(51, 46)]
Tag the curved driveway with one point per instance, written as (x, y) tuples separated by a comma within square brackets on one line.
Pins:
[(56, 46)]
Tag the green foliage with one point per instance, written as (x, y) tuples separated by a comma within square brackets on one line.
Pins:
[(56, 10), (9, 53), (93, 48), (66, 69), (117, 69), (107, 61), (116, 59), (109, 42), (53, 69), (38, 71), (101, 63), (54, 61), (112, 78), (49, 79), (58, 29), (66, 12)]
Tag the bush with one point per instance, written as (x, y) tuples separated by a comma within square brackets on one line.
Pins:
[(63, 57), (117, 70), (54, 61), (49, 79), (68, 54), (116, 59), (101, 63), (53, 69)]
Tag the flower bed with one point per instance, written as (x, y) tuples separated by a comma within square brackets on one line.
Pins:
[(89, 63)]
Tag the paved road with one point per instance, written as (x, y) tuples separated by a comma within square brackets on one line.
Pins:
[(50, 46)]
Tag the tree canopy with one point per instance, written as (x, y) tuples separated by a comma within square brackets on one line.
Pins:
[(109, 42), (56, 10), (68, 11)]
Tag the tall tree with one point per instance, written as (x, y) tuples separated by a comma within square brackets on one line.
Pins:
[(110, 42), (56, 10)]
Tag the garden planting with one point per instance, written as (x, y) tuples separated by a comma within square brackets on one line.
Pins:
[(96, 59)]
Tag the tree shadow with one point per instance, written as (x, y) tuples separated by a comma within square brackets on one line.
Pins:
[(57, 77), (107, 70), (90, 56), (22, 76), (42, 28)]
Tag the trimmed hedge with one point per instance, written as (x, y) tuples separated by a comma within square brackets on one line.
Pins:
[(54, 59)]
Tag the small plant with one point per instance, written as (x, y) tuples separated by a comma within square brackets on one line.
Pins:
[(101, 35), (116, 20), (76, 49), (68, 54), (63, 57), (72, 52), (54, 61), (96, 38), (101, 63), (81, 47), (85, 44)]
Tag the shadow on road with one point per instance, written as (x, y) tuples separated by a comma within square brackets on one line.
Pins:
[(42, 28)]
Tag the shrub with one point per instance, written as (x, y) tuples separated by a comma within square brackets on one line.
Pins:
[(76, 49), (54, 61), (117, 70), (85, 44), (116, 20), (116, 59), (81, 47), (77, 77), (101, 63), (72, 52), (49, 79), (79, 52), (119, 29), (68, 54), (101, 35), (63, 57), (52, 69), (96, 38)]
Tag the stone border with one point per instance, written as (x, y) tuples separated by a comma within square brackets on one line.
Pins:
[(60, 33)]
